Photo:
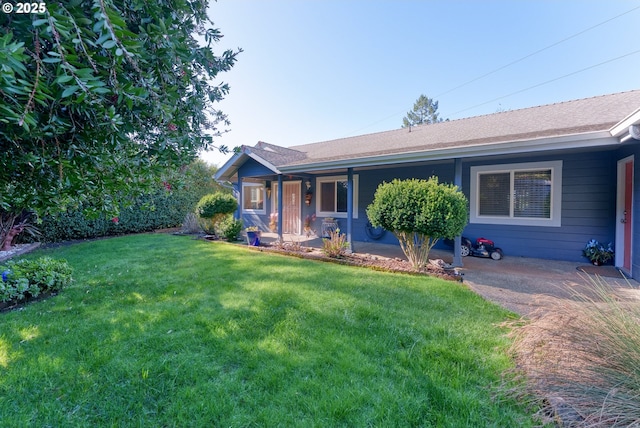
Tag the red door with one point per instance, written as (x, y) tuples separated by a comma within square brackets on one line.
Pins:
[(627, 220)]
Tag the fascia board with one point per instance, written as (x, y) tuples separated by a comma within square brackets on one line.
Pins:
[(232, 165), (229, 168), (622, 128), (263, 162), (575, 141)]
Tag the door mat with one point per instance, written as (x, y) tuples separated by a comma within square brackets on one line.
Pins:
[(607, 271)]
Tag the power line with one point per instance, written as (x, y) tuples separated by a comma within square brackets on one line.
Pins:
[(536, 52), (520, 60), (549, 81)]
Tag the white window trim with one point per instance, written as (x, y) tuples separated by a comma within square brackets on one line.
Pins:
[(264, 198), (333, 179), (556, 194)]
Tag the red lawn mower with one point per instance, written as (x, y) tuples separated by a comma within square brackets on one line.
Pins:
[(482, 248)]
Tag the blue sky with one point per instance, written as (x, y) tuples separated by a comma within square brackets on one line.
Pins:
[(317, 70)]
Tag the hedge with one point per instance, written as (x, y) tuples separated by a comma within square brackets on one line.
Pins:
[(151, 212)]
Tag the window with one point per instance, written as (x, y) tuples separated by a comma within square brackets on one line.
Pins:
[(253, 198), (528, 194), (331, 196)]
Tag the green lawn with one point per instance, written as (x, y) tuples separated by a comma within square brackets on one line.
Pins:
[(160, 330)]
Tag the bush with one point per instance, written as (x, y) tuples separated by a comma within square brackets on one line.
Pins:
[(190, 224), (419, 213), (164, 208), (230, 228), (214, 204), (335, 245), (29, 278), (213, 208)]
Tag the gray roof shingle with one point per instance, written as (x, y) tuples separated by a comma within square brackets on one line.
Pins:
[(553, 120)]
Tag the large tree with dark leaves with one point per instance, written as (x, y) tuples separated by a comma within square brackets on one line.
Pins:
[(99, 97)]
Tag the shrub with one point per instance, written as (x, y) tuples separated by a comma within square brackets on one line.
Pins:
[(213, 208), (29, 278), (419, 213), (166, 207), (230, 228), (190, 224), (335, 245)]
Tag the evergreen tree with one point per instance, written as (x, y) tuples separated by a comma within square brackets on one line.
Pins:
[(425, 110)]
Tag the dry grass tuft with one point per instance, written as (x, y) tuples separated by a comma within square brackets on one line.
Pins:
[(584, 358)]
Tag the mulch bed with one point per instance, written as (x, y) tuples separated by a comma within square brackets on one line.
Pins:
[(434, 268)]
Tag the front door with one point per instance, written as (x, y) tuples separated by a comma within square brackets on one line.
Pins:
[(291, 207), (624, 214)]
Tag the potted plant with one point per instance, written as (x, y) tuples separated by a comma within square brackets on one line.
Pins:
[(308, 221), (597, 253), (273, 222), (253, 236)]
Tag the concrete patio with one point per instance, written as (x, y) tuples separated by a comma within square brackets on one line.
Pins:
[(520, 284)]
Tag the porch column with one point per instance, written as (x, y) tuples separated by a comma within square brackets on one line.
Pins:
[(280, 237), (349, 207), (457, 242), (239, 190)]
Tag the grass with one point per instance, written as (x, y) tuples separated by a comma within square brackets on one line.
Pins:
[(159, 330)]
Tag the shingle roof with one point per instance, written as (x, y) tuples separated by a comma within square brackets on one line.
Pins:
[(554, 120)]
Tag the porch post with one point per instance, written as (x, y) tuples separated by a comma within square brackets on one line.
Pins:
[(457, 242), (280, 238), (239, 190), (349, 207)]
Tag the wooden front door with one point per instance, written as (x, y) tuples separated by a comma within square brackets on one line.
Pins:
[(291, 207)]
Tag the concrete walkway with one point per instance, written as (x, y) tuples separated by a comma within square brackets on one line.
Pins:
[(521, 284)]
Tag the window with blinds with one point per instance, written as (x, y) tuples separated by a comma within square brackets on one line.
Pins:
[(526, 194), (532, 194)]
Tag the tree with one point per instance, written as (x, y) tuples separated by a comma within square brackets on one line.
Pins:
[(425, 110), (419, 213), (100, 98)]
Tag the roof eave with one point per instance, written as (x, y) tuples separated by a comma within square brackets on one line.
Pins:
[(229, 169), (565, 142), (621, 129)]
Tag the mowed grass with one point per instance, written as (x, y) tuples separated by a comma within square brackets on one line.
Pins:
[(161, 330)]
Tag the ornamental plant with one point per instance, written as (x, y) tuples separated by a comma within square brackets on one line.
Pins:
[(335, 245), (213, 208), (597, 253), (26, 279), (230, 228), (419, 213)]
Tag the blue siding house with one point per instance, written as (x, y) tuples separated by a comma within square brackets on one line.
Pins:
[(541, 181)]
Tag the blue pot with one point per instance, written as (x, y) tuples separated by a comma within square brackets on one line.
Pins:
[(254, 238)]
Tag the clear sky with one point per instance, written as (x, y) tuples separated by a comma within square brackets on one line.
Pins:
[(317, 70)]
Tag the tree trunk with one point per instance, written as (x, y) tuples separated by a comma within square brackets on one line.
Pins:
[(416, 247), (7, 241)]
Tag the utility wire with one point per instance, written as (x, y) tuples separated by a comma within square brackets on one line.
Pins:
[(536, 52), (549, 81), (520, 60)]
